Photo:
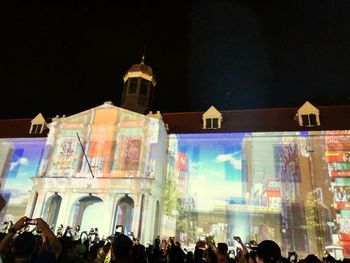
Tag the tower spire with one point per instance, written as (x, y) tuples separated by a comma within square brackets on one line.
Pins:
[(143, 56)]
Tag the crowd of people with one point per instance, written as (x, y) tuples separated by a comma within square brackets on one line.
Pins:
[(21, 243)]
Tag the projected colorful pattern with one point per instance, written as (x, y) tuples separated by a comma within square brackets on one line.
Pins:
[(293, 187), (281, 186), (19, 161)]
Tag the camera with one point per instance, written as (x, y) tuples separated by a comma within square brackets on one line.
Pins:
[(119, 229), (30, 221)]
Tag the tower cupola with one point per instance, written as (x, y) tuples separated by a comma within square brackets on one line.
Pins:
[(138, 90)]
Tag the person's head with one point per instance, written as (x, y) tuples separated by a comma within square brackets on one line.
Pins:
[(139, 253), (222, 248), (311, 259), (210, 255), (268, 252), (24, 245), (121, 246), (251, 257)]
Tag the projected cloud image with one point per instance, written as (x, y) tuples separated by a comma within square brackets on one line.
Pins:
[(215, 167), (21, 161)]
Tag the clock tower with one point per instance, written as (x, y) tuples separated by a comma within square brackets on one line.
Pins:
[(138, 90)]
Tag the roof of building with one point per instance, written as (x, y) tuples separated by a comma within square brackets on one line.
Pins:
[(19, 128), (259, 120), (142, 67)]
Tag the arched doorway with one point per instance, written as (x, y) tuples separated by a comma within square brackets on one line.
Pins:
[(52, 209), (124, 213), (89, 212)]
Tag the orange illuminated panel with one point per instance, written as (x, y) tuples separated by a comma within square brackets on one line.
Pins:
[(344, 237), (340, 173), (337, 157), (106, 116), (342, 205), (339, 147), (346, 248)]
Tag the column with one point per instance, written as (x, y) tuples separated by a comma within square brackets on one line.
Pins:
[(31, 204), (149, 218), (110, 207), (40, 203)]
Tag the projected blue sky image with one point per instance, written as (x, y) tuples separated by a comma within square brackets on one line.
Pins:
[(215, 167), (24, 165)]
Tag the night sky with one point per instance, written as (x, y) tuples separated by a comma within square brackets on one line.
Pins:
[(58, 58)]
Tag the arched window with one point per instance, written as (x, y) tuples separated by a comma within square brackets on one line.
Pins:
[(124, 213)]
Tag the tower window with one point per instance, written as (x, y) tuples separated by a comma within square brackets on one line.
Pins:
[(144, 87), (133, 86), (124, 89)]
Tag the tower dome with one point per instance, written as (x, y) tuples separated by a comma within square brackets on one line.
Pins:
[(138, 89), (140, 70)]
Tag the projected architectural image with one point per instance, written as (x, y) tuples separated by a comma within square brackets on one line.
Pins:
[(259, 186), (291, 187), (105, 161), (19, 162)]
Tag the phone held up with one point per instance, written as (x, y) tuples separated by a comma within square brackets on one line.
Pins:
[(30, 221), (119, 229), (237, 238)]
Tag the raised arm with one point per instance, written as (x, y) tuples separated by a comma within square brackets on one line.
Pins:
[(12, 231), (244, 248), (52, 239)]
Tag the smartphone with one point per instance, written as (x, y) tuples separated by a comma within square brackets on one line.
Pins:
[(30, 221), (119, 229)]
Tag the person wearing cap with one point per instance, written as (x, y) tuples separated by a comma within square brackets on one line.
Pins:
[(268, 252)]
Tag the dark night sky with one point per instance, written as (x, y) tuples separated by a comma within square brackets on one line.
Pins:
[(58, 58)]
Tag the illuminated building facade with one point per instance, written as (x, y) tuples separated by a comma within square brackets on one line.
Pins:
[(270, 173), (107, 161)]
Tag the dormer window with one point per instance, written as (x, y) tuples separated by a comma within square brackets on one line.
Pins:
[(309, 120), (38, 124), (308, 115), (212, 119), (212, 123), (36, 129)]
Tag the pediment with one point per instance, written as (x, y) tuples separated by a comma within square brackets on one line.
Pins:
[(308, 108), (39, 119), (212, 112), (103, 114)]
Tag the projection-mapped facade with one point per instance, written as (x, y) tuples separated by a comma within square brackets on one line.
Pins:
[(187, 174), (101, 168)]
